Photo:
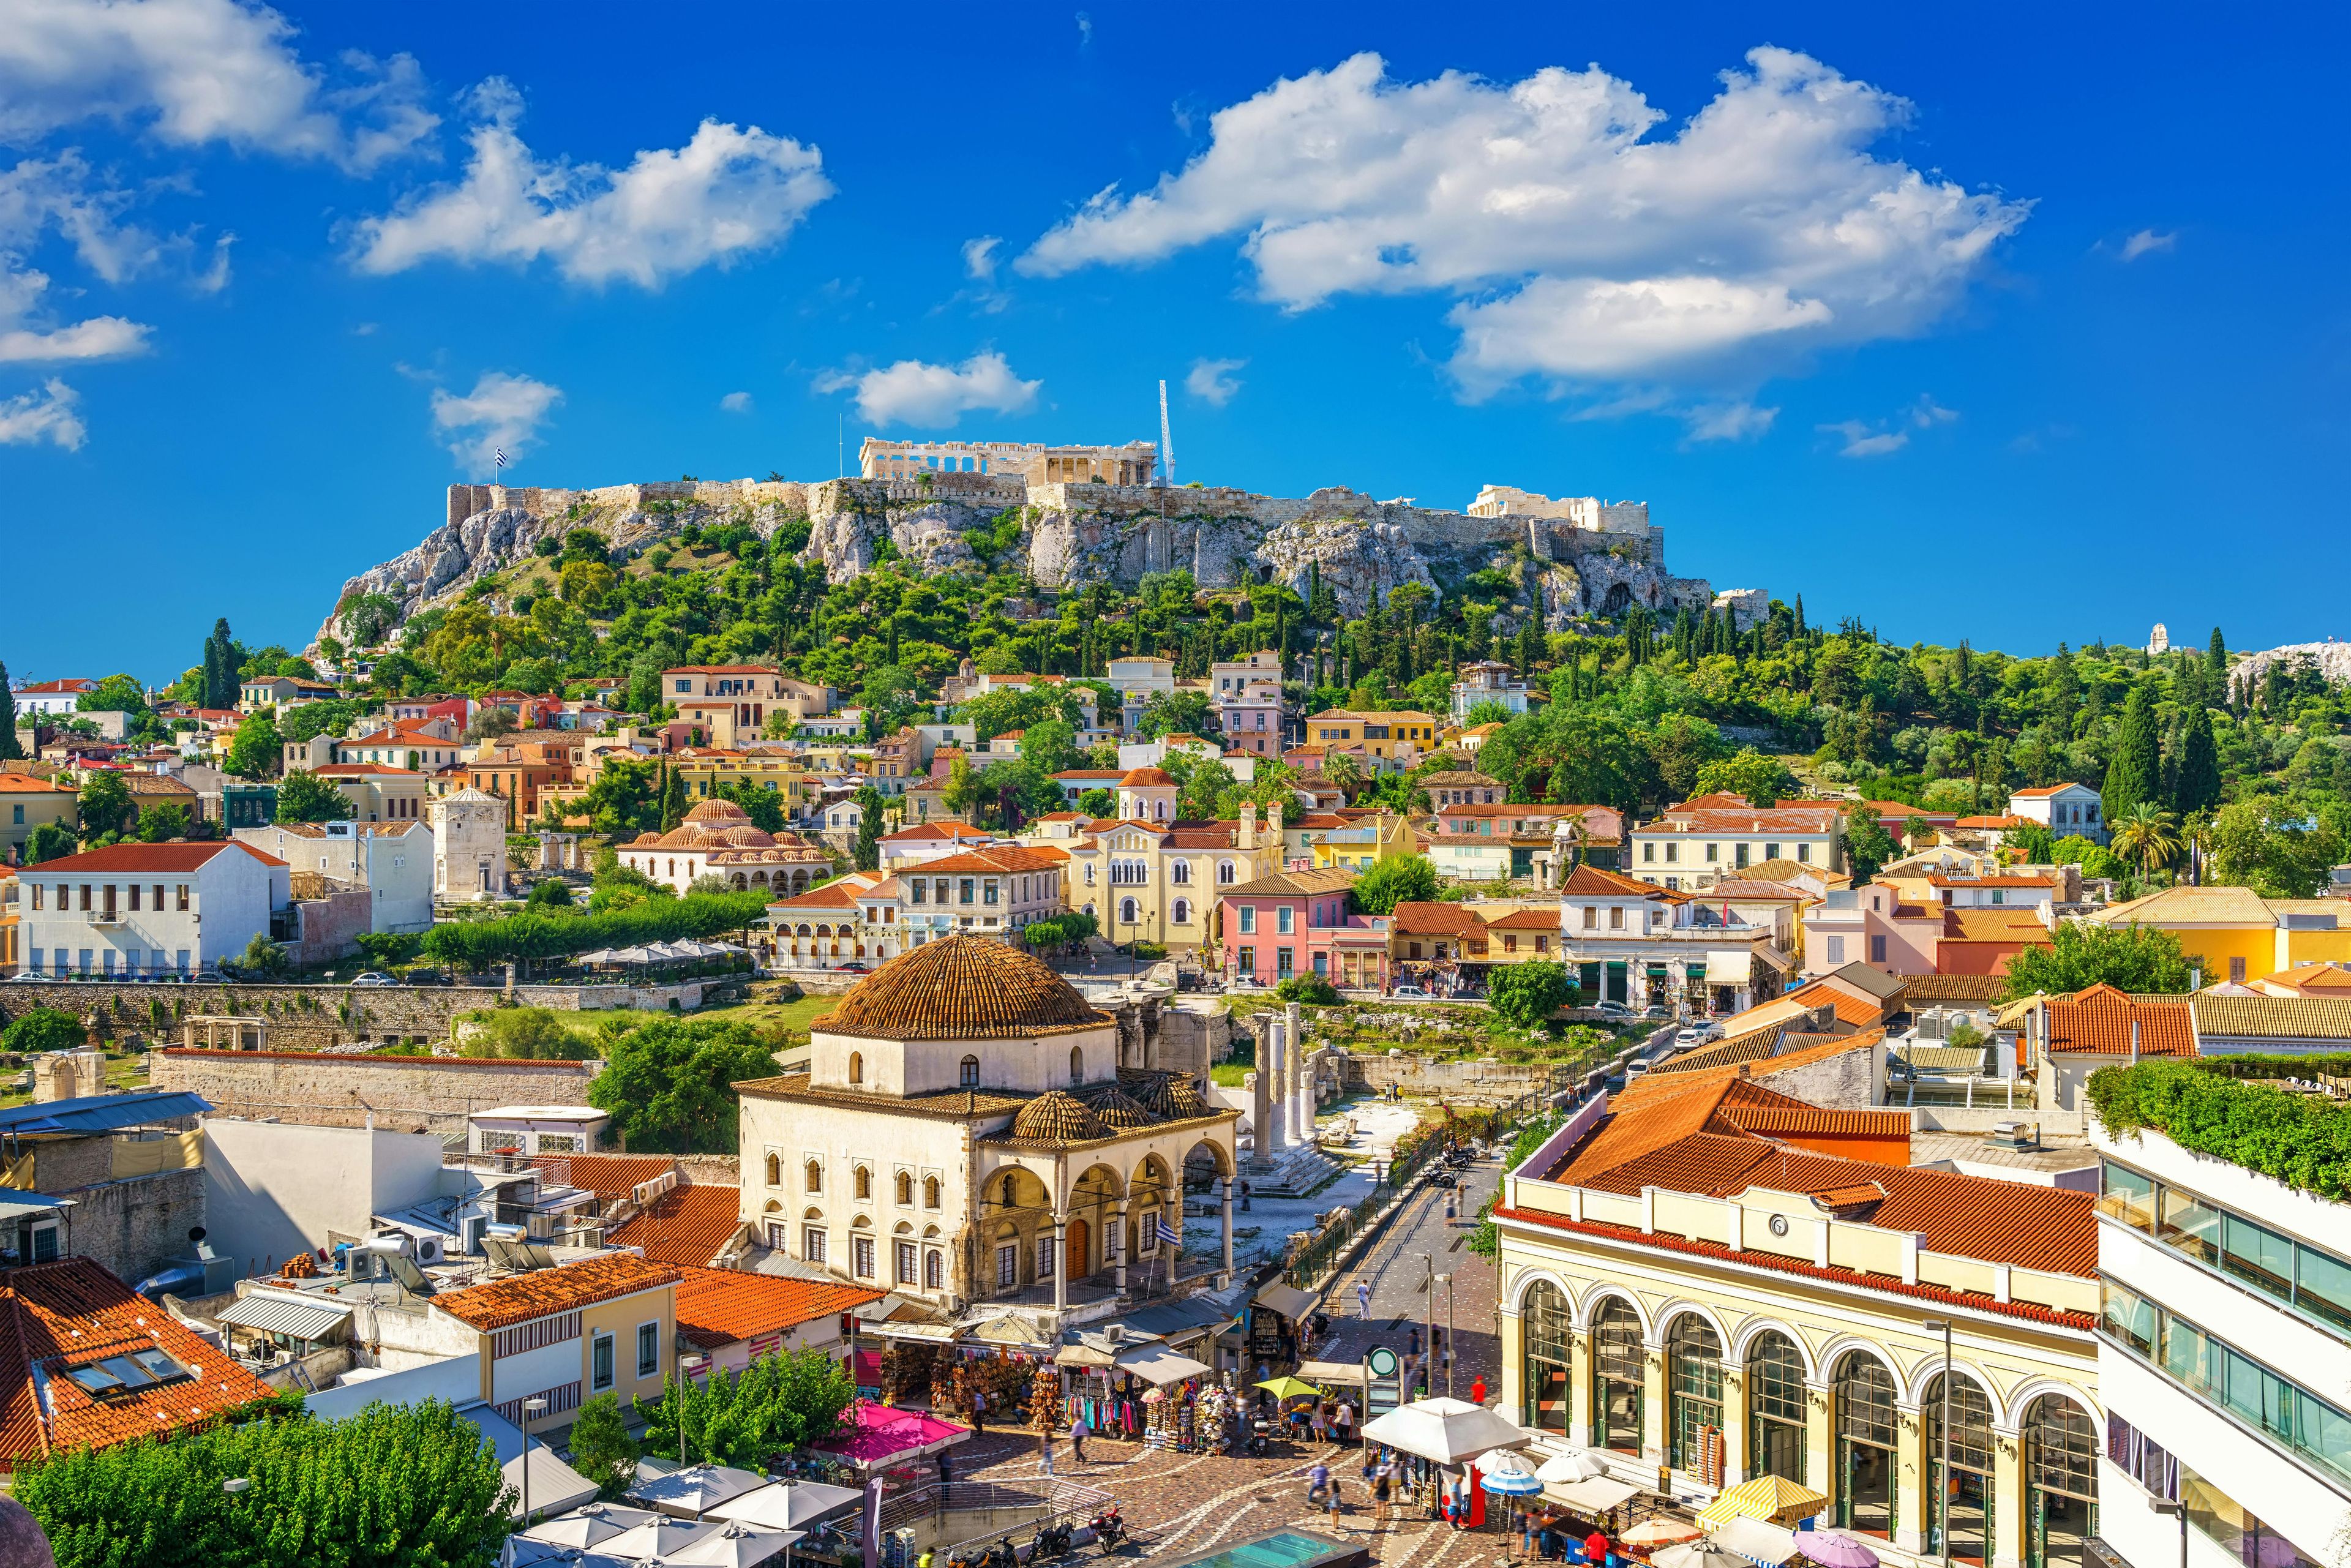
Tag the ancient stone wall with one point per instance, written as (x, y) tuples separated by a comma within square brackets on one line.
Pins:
[(134, 1226), (402, 1093), (1444, 1078)]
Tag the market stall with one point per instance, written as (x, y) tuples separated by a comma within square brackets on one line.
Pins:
[(878, 1436), (1775, 1500), (1275, 1314), (1769, 1544)]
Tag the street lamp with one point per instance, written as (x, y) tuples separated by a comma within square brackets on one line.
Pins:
[(531, 1407), (2177, 1508), (1446, 1281), (1430, 1313), (1943, 1461)]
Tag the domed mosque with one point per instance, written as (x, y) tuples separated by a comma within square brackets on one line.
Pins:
[(719, 839), (974, 1132)]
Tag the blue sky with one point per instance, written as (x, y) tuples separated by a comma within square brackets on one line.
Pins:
[(1983, 325)]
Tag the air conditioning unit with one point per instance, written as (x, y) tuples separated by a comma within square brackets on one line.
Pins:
[(1114, 1334), (428, 1249)]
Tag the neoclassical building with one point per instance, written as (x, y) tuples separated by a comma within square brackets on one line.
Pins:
[(718, 836), (974, 1132), (1147, 876), (1712, 1278)]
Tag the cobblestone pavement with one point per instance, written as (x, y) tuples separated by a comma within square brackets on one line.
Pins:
[(1181, 1504)]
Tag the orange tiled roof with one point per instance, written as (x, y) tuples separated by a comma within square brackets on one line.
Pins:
[(684, 1225), (961, 987), (1591, 879), (165, 859), (1434, 919), (73, 1312), (609, 1176), (1989, 924), (984, 861), (2099, 1019), (724, 1306), (1987, 824), (519, 1298), (1850, 1009)]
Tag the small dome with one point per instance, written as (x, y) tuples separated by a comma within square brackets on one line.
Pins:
[(961, 987), (1055, 1116), (1147, 778), (747, 837), (1184, 1100), (719, 812), (649, 838), (683, 838), (1115, 1110)]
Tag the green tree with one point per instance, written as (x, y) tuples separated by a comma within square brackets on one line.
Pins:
[(48, 841), (2135, 773), (2139, 958), (164, 821), (116, 694), (668, 1084), (261, 957), (304, 796), (44, 1028), (1762, 781), (1099, 802), (550, 894), (526, 1034), (2147, 835), (868, 847), (1867, 844), (778, 1403), (223, 659), (1403, 879), (1052, 744), (1525, 995), (9, 749), (1308, 990), (1680, 747), (396, 1486), (104, 805), (2198, 787), (1174, 713), (2268, 846), (601, 1449), (258, 750)]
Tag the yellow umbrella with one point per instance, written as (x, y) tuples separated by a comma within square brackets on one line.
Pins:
[(1288, 1387), (1775, 1500)]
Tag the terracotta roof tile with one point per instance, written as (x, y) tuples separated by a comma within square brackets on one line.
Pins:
[(2099, 1019), (1954, 987), (167, 860), (937, 1105), (1435, 920), (687, 1225), (961, 987), (519, 1298), (1591, 880), (609, 1176), (1294, 885), (725, 1306), (2272, 1018)]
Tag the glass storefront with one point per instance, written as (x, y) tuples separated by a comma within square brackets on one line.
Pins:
[(1543, 1325), (1694, 1372), (2061, 1482), (1617, 1377), (1962, 1502), (1775, 1407), (1865, 1426)]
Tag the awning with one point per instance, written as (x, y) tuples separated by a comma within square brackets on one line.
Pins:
[(270, 1312), (1329, 1372), (1595, 1496), (1287, 1299), (1159, 1366), (101, 1113), (14, 1204), (1008, 1330), (1758, 1542), (1730, 969), (929, 1333), (1772, 956)]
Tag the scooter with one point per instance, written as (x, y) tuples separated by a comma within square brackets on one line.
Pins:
[(1052, 1541), (1261, 1437), (1109, 1529), (1003, 1555)]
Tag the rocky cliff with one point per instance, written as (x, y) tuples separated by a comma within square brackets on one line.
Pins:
[(1073, 534)]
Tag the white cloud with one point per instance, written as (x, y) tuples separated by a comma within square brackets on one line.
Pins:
[(196, 72), (1581, 248), (44, 415), (736, 402), (935, 396), (1865, 441), (1213, 382), (980, 257), (729, 192), (24, 341), (502, 412), (1927, 414), (1728, 421), (2147, 240)]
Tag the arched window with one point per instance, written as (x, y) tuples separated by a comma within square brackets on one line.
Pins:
[(933, 1269), (857, 1067), (1182, 913), (2060, 1480), (1775, 1405), (1128, 910), (930, 1192), (1968, 1496), (1616, 1375), (1077, 1065), (1180, 872), (906, 1189), (815, 1177), (775, 1170), (1543, 1321), (1694, 1371), (864, 1184), (1866, 1427), (968, 1077), (1224, 874)]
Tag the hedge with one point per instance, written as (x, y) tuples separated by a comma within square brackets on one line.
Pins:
[(2302, 1140), (519, 938)]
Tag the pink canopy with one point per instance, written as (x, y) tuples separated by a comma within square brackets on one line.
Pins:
[(882, 1434)]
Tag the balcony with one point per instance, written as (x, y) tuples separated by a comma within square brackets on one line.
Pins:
[(103, 916)]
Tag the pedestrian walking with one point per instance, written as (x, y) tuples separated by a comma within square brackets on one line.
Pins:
[(1363, 1299), (1343, 1421), (1245, 1197), (1045, 1446), (1080, 1432), (1449, 1209), (1382, 1487), (979, 1412), (1321, 1425), (1317, 1484)]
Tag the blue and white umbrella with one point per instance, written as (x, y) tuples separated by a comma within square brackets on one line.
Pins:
[(1505, 1474)]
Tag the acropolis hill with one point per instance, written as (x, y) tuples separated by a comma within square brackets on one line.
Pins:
[(1089, 514)]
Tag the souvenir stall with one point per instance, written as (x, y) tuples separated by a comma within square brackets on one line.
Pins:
[(1275, 1314), (1146, 1392), (1579, 1497), (877, 1440)]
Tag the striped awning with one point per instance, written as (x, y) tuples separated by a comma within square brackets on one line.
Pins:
[(268, 1312)]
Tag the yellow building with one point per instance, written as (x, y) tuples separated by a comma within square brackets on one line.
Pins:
[(605, 1325), (700, 770), (1705, 1281), (1362, 842), (1147, 877), (2235, 935), (1403, 734), (27, 802)]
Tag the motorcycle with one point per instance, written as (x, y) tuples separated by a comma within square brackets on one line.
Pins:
[(1261, 1437), (1003, 1555), (1443, 1178), (1052, 1541), (1109, 1529)]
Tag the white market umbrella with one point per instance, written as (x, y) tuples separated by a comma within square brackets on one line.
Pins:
[(739, 1545), (656, 1538), (588, 1526), (1697, 1555), (1506, 1474), (1579, 1466), (1447, 1431), (786, 1505), (692, 1492)]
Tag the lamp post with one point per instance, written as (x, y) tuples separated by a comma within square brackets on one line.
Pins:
[(2177, 1508), (531, 1407), (1446, 1281), (1943, 1459), (1429, 1314)]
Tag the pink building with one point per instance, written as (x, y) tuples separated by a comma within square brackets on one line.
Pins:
[(1871, 926), (1298, 923)]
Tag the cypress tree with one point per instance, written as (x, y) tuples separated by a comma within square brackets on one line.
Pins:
[(2200, 765), (2136, 774), (9, 749), (1800, 615), (2216, 665)]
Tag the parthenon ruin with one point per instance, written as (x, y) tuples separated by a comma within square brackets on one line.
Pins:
[(1033, 463)]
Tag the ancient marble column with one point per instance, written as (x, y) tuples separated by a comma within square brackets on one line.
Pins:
[(1227, 1184), (1060, 1264), (1273, 1136), (1301, 1086)]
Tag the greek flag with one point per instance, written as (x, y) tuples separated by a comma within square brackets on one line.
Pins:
[(500, 455), (1168, 1234)]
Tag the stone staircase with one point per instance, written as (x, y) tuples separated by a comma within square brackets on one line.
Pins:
[(1296, 1173)]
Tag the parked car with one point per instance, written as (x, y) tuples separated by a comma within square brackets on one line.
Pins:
[(27, 978), (1411, 993), (854, 967), (1612, 1009), (1698, 1033), (372, 979), (211, 978)]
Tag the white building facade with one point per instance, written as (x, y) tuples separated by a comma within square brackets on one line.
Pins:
[(393, 860), (147, 909)]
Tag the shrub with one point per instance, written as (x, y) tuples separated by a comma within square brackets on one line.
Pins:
[(45, 1029), (2298, 1139), (1312, 990)]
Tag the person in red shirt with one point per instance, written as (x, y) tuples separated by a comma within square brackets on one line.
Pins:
[(1595, 1546), (1478, 1390)]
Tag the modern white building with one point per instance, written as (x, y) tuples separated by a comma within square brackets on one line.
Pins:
[(2224, 1361), (2067, 810), (147, 909), (393, 860), (990, 892)]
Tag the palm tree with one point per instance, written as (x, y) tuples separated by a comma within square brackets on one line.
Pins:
[(2147, 835)]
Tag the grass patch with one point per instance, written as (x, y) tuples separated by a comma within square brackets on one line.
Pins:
[(793, 1016)]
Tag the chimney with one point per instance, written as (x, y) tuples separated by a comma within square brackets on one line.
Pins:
[(1273, 824), (2134, 1042), (1248, 825)]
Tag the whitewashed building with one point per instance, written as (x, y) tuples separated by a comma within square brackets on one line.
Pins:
[(147, 909)]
